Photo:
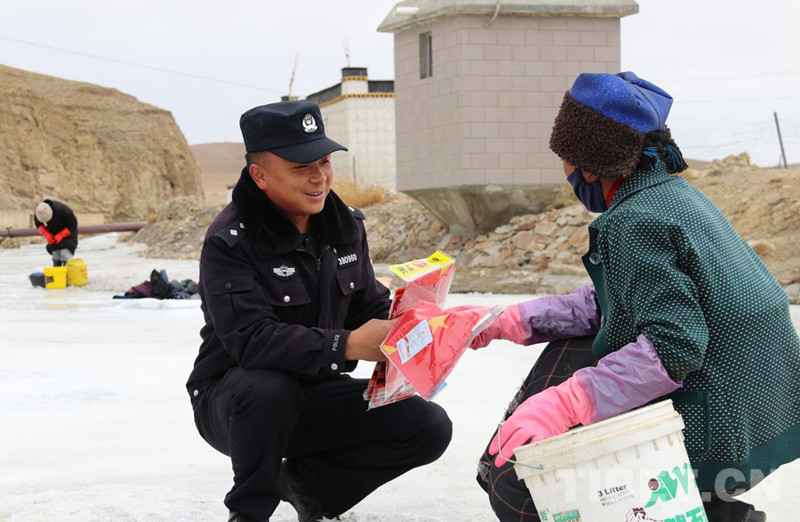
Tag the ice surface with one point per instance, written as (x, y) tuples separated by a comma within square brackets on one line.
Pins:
[(96, 425)]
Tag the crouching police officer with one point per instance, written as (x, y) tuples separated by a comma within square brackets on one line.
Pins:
[(291, 303)]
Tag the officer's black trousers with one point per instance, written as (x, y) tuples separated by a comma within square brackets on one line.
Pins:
[(342, 452)]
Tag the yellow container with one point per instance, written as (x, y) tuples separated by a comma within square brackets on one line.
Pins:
[(77, 272), (55, 277)]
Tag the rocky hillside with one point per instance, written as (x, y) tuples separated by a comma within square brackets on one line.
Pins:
[(764, 207), (99, 150)]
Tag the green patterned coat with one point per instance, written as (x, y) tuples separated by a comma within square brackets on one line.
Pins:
[(666, 263)]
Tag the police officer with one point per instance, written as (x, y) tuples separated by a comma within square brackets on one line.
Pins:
[(291, 303)]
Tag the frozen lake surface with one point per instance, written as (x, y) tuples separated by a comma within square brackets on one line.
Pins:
[(96, 424)]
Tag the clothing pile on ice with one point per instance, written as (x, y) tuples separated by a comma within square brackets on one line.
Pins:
[(160, 287)]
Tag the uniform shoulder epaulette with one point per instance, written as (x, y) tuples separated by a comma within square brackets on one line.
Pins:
[(232, 233), (356, 212)]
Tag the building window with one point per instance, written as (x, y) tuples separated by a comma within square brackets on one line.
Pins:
[(425, 55)]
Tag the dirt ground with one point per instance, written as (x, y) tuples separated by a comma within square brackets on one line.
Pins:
[(220, 164), (215, 185)]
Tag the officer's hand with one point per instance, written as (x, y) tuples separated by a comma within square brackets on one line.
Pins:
[(363, 343)]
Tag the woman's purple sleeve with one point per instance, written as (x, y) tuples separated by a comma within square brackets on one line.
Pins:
[(622, 380), (560, 316)]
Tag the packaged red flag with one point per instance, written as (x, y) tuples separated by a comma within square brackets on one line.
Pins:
[(427, 342), (387, 385), (429, 280)]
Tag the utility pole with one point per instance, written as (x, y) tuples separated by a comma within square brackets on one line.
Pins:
[(291, 80), (780, 140)]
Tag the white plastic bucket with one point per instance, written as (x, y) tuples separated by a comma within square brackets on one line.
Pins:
[(632, 467)]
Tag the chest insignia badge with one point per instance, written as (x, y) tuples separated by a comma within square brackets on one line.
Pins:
[(284, 272)]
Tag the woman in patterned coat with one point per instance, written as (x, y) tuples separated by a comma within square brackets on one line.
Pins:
[(680, 308)]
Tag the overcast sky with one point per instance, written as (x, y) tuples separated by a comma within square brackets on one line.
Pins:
[(728, 64)]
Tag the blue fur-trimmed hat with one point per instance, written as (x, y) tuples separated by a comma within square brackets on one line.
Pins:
[(604, 119)]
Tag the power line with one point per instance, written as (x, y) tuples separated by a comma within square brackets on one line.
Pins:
[(757, 139), (791, 123), (740, 129), (749, 76), (739, 100), (142, 66)]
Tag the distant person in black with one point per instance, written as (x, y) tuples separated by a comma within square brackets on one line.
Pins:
[(291, 303), (59, 226)]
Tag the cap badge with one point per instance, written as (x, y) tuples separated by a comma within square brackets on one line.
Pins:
[(309, 125)]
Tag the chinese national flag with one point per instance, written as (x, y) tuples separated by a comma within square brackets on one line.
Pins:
[(427, 342)]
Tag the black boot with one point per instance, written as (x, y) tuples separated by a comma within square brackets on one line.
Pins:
[(239, 517), (308, 508)]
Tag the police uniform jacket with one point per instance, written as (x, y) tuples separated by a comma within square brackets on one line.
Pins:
[(666, 263), (62, 227), (270, 303)]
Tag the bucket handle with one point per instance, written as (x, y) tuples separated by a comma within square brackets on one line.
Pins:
[(511, 459)]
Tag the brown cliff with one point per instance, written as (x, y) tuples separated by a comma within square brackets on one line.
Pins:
[(101, 151)]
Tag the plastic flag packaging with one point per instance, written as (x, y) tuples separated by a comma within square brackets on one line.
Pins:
[(427, 341)]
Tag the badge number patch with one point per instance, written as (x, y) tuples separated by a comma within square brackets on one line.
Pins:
[(347, 260)]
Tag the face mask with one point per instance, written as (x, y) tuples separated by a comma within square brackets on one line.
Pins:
[(590, 194)]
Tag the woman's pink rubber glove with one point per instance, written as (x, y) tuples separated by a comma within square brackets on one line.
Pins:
[(545, 319), (507, 326), (628, 378), (549, 413)]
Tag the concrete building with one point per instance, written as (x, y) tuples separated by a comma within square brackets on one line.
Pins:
[(477, 87), (359, 113)]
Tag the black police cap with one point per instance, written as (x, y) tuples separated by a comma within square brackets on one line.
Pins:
[(292, 130)]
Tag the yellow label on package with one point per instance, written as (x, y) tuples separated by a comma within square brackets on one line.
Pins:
[(413, 269)]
